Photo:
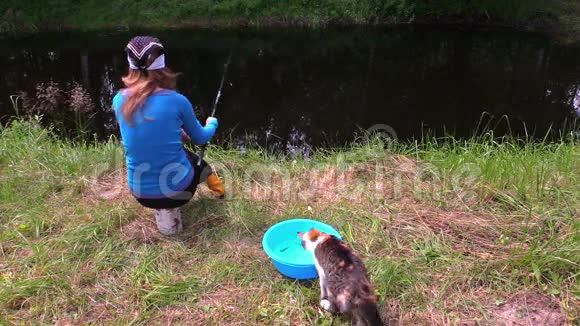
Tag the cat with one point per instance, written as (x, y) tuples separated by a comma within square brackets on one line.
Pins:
[(344, 284)]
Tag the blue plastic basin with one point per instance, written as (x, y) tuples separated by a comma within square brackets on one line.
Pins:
[(282, 245)]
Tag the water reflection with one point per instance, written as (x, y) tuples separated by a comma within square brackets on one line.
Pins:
[(576, 101), (293, 91), (106, 94)]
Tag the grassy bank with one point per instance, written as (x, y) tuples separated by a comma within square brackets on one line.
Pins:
[(474, 232), (544, 15)]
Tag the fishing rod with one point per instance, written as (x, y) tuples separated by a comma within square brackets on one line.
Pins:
[(215, 103)]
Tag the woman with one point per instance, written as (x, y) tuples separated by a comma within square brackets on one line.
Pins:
[(154, 119)]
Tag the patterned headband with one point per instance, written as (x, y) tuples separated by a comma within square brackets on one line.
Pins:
[(140, 49)]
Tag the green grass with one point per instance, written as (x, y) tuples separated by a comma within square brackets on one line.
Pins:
[(92, 14), (451, 232)]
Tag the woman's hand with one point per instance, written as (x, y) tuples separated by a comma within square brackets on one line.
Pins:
[(211, 120)]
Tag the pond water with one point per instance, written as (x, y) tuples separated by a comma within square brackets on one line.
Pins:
[(293, 90)]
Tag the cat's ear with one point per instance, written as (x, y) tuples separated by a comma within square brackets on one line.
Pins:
[(314, 234)]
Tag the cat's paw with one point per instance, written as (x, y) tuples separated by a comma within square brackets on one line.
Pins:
[(327, 305)]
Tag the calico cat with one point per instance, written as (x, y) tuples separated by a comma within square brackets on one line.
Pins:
[(344, 284)]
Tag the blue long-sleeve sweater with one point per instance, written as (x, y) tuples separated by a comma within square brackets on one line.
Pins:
[(157, 164)]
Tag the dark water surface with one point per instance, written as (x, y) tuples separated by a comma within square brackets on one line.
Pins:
[(297, 89)]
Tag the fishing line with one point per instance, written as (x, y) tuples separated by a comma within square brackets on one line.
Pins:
[(215, 103)]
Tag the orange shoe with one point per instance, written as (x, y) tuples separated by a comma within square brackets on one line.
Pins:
[(215, 184)]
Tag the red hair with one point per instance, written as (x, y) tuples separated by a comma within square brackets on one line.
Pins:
[(141, 85)]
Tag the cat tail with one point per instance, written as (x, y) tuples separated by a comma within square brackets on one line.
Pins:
[(367, 314)]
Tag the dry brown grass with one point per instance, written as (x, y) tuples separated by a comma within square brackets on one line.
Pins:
[(142, 231), (109, 187)]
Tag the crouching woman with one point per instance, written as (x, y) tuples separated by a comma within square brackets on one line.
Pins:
[(152, 116)]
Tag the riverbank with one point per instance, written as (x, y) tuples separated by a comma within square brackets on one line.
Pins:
[(451, 232), (560, 18)]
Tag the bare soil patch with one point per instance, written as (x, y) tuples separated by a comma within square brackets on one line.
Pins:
[(528, 309)]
